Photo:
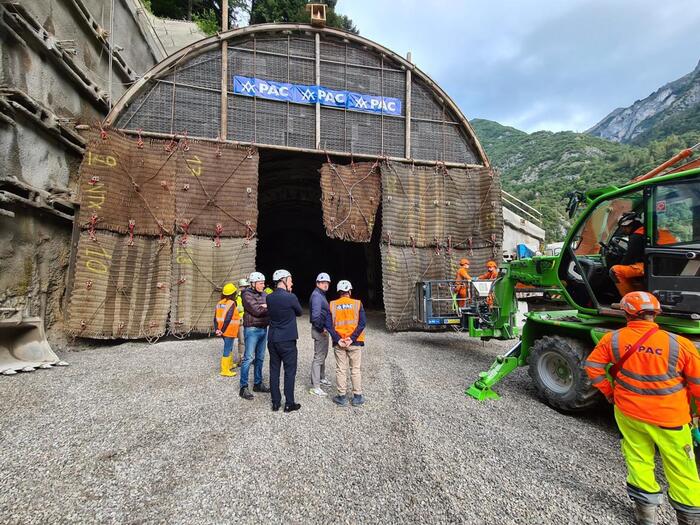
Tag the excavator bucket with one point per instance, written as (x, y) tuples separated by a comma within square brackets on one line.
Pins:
[(23, 344)]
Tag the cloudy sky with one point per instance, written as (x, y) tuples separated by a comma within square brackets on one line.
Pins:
[(539, 64)]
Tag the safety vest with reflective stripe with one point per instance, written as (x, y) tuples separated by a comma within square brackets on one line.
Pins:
[(345, 313), (222, 310), (653, 385)]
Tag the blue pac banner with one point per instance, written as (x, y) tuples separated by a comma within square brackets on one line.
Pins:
[(301, 94)]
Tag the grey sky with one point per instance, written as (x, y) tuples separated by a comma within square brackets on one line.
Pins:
[(539, 64)]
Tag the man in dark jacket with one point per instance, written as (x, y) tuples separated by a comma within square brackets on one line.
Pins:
[(318, 305), (283, 308), (255, 321)]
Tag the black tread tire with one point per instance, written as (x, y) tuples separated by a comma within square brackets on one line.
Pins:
[(582, 395)]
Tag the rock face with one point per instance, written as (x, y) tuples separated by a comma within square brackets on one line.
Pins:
[(631, 124)]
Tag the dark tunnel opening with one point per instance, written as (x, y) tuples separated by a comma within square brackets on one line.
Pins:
[(291, 234)]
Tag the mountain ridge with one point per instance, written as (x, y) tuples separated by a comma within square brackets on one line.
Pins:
[(675, 105)]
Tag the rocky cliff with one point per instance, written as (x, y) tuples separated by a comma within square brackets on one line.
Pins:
[(675, 107)]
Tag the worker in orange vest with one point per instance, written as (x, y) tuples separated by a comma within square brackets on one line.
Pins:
[(346, 326), (649, 374), (632, 265), (227, 320), (462, 285), (491, 271)]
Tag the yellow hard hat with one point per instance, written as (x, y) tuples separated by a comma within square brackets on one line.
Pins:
[(229, 289)]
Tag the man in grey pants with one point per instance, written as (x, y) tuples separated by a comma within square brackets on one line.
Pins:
[(318, 305)]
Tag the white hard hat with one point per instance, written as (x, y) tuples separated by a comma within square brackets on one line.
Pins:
[(344, 286), (243, 282), (256, 277), (323, 277), (280, 274)]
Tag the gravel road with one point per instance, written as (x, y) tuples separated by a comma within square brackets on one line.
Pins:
[(137, 433)]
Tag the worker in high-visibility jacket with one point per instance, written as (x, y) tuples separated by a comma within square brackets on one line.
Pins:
[(226, 323), (462, 282), (491, 271), (631, 266), (656, 374), (346, 326), (490, 275)]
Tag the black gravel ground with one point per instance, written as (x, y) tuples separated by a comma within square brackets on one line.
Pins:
[(137, 433)]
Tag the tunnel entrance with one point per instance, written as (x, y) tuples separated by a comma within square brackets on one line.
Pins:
[(291, 234)]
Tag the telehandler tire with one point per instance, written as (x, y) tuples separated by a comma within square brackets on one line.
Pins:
[(556, 369)]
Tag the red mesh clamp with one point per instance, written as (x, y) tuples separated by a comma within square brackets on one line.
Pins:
[(88, 284), (94, 180), (132, 225), (139, 142), (217, 239), (91, 227), (185, 226)]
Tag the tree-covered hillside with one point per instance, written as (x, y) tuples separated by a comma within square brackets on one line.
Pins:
[(541, 168)]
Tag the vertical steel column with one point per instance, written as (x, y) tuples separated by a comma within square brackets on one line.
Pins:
[(407, 110), (223, 132), (318, 83)]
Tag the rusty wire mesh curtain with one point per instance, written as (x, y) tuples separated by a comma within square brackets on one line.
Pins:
[(165, 224), (432, 217)]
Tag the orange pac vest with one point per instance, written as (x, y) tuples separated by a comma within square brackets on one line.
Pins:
[(663, 236), (346, 316), (222, 308), (649, 386)]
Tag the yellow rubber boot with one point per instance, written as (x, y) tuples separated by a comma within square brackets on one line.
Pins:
[(226, 363)]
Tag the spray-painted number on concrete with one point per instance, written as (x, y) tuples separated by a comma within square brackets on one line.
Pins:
[(98, 259)]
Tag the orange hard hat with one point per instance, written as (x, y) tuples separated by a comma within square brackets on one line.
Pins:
[(636, 303), (463, 261), (491, 264)]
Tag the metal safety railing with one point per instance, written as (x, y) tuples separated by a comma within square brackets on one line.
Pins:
[(440, 302), (521, 208)]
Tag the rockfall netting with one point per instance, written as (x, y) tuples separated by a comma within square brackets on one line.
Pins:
[(351, 196), (200, 270), (165, 224), (432, 217), (121, 287)]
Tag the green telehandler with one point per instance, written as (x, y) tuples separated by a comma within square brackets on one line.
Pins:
[(555, 342)]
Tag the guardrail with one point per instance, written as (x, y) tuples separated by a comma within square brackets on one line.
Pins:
[(521, 208)]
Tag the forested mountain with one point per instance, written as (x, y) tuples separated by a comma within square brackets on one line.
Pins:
[(541, 168)]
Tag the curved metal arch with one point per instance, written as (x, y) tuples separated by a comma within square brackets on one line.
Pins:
[(212, 41)]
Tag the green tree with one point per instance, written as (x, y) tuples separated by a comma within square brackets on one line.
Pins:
[(206, 13), (294, 11)]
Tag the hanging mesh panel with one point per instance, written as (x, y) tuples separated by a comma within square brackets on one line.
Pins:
[(217, 187), (438, 206), (200, 270), (121, 287), (351, 195), (122, 182)]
